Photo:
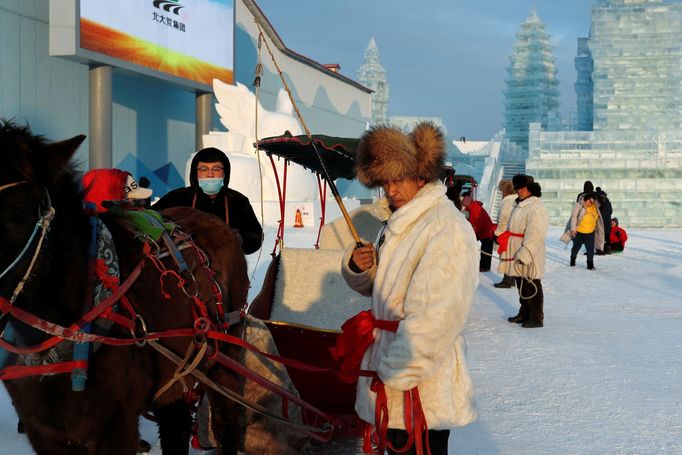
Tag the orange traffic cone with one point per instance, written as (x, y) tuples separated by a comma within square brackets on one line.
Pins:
[(298, 221)]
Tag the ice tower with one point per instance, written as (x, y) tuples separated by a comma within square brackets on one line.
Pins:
[(584, 86), (636, 46), (629, 102), (373, 75), (532, 93)]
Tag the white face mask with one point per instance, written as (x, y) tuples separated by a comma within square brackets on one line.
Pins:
[(211, 185)]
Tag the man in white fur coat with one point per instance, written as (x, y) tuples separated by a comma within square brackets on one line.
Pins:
[(422, 278), (524, 257)]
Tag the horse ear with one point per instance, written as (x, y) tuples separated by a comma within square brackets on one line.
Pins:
[(57, 154)]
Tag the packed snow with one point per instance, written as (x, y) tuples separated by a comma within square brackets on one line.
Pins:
[(603, 376)]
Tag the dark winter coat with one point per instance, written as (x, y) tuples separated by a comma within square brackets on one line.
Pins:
[(605, 207), (240, 215)]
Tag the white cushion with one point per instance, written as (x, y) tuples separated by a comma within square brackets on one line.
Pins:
[(310, 290)]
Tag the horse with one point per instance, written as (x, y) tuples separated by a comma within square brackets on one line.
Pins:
[(38, 176)]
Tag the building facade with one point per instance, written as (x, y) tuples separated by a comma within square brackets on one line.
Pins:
[(153, 121)]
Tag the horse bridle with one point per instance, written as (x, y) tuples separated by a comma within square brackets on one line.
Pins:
[(43, 225)]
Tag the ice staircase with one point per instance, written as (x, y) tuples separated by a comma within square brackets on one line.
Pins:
[(509, 170)]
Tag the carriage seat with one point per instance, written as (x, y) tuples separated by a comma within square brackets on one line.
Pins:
[(310, 290)]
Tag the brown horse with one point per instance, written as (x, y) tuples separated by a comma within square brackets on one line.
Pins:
[(122, 380)]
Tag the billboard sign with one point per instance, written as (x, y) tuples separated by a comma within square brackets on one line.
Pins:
[(185, 41)]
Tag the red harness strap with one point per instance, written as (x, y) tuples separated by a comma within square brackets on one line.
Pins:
[(357, 336), (503, 240)]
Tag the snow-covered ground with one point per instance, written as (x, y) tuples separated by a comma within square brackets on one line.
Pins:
[(604, 376)]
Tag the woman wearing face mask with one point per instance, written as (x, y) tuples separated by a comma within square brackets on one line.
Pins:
[(209, 192)]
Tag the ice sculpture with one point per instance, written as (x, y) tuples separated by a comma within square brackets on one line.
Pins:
[(633, 62), (237, 109), (636, 46), (532, 93), (373, 75)]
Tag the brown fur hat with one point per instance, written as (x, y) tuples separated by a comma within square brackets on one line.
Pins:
[(386, 153), (506, 187)]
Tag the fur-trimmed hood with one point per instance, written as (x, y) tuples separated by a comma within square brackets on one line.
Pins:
[(385, 153)]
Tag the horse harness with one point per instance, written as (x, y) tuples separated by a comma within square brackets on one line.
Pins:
[(204, 335), (43, 224)]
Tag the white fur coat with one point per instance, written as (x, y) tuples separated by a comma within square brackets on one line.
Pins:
[(426, 278), (529, 217), (508, 203)]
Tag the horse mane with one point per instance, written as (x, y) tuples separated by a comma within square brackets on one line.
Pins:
[(20, 153)]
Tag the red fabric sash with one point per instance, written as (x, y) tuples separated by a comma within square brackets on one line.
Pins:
[(503, 240), (357, 336)]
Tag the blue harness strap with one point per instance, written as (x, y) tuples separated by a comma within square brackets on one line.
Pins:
[(8, 335), (81, 351)]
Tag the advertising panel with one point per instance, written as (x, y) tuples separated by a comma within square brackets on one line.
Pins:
[(186, 39)]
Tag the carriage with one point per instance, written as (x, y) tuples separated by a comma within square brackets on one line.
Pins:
[(305, 326), (139, 354)]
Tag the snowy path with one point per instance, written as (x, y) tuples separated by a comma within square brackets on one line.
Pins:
[(604, 376)]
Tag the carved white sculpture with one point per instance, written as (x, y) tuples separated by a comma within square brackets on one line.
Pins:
[(237, 109)]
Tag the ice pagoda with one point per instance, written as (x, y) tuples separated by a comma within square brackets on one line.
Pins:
[(532, 93), (629, 102), (373, 75)]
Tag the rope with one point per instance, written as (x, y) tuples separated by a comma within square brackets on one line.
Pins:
[(44, 224), (525, 271), (181, 371), (308, 430), (23, 251), (323, 165), (256, 83)]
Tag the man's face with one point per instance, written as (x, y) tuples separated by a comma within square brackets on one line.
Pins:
[(613, 224), (466, 201), (208, 170), (400, 192), (589, 202), (523, 193)]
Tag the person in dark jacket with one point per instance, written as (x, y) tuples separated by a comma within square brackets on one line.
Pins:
[(588, 188), (483, 228), (606, 211), (209, 192), (453, 193)]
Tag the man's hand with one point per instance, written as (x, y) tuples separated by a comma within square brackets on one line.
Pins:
[(573, 233), (362, 258)]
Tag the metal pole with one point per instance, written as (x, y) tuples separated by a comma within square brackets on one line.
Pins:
[(204, 120), (325, 171), (100, 153)]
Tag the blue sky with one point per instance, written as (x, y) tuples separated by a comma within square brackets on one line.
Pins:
[(444, 58)]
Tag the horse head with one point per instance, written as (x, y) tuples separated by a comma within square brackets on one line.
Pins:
[(37, 183)]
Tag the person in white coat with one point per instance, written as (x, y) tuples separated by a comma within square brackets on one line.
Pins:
[(422, 277), (508, 202), (524, 253)]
